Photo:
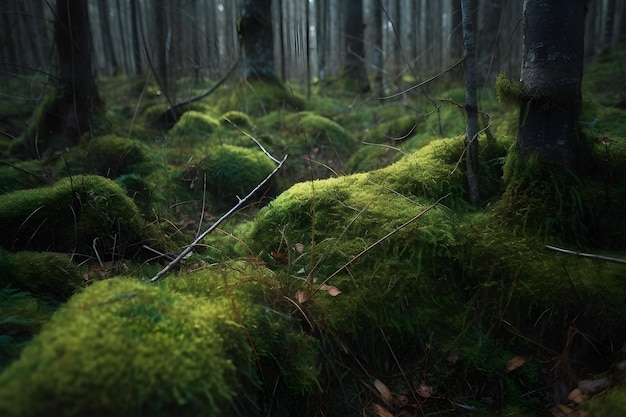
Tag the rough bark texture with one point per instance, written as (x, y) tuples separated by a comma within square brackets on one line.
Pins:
[(551, 78), (471, 102), (255, 26)]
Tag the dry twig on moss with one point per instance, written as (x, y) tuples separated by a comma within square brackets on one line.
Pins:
[(587, 255), (236, 207)]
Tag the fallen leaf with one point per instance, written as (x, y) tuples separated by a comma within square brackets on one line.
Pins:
[(577, 396), (301, 296), (280, 257), (385, 394), (425, 391), (382, 411), (515, 363), (298, 247), (330, 289)]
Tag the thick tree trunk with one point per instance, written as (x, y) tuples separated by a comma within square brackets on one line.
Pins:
[(551, 78), (69, 112), (255, 25)]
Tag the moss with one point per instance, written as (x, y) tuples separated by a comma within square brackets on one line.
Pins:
[(125, 348), (75, 214), (111, 156), (193, 126), (259, 98), (44, 274), (611, 404), (231, 172), (21, 317), (507, 91), (237, 118)]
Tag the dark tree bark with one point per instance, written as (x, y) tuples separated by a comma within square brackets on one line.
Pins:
[(471, 102), (255, 27), (552, 71), (354, 75), (70, 111)]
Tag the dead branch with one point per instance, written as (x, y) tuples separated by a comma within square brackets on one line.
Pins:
[(236, 207), (587, 255)]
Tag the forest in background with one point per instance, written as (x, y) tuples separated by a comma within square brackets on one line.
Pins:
[(379, 290)]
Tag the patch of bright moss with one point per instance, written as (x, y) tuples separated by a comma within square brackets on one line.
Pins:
[(258, 98), (73, 215), (237, 118), (193, 125), (125, 348), (111, 156)]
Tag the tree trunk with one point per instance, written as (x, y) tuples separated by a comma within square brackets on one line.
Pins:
[(471, 103), (258, 45), (69, 113), (551, 78), (354, 75)]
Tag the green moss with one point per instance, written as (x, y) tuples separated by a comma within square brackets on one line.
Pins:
[(231, 171), (111, 156), (610, 404), (507, 91), (237, 118), (44, 274), (258, 98), (126, 348), (194, 126), (75, 214)]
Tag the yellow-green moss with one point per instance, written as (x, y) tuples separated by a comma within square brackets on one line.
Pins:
[(258, 98), (126, 348), (193, 125), (507, 91), (75, 214), (237, 118)]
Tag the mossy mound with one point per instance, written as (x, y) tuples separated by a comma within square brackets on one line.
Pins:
[(44, 274), (203, 344), (308, 136), (193, 126), (112, 156), (236, 118), (79, 213), (461, 289), (230, 172), (124, 348), (259, 98)]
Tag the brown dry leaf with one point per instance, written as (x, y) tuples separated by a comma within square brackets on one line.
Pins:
[(385, 394), (577, 396), (425, 391), (382, 411), (330, 289), (253, 260), (515, 363), (298, 247), (301, 296), (280, 257)]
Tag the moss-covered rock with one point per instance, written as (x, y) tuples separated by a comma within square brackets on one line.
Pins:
[(79, 213), (125, 348), (236, 118), (231, 172), (45, 274), (259, 98), (193, 126), (111, 156)]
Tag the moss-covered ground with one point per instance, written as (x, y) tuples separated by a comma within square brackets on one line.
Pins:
[(358, 281)]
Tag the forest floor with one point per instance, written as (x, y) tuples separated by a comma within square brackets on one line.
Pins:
[(357, 281)]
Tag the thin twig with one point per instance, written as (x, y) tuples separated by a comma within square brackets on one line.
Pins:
[(434, 77), (217, 223), (587, 255), (382, 239)]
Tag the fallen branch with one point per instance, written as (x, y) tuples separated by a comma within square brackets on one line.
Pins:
[(587, 255), (236, 207)]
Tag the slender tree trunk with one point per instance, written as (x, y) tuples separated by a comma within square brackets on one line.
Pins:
[(354, 75), (471, 103), (552, 71)]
